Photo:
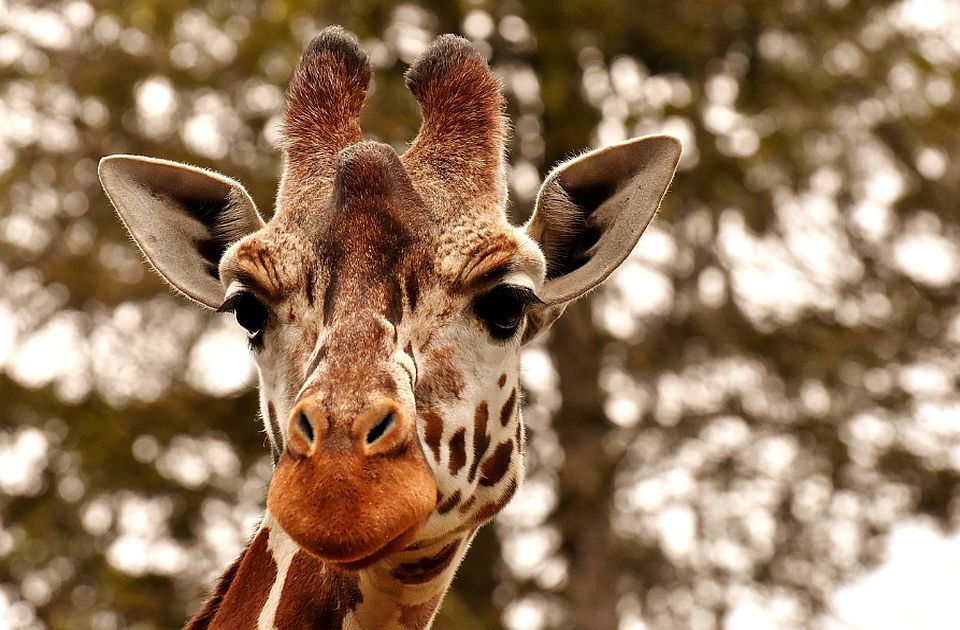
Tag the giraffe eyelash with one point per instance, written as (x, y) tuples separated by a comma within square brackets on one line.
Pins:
[(250, 313), (522, 294), (502, 309)]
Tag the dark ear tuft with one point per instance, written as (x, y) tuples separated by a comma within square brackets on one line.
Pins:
[(342, 46), (451, 73)]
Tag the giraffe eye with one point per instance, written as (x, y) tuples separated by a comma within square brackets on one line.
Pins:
[(501, 309), (248, 310)]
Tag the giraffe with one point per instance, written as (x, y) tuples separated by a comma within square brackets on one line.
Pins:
[(385, 302)]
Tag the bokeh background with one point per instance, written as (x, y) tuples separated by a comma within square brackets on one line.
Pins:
[(755, 424)]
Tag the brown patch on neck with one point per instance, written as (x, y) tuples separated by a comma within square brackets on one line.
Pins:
[(242, 589), (458, 451), (466, 505), (481, 441), (433, 432), (506, 412), (495, 466), (201, 620), (449, 503), (491, 509), (316, 595)]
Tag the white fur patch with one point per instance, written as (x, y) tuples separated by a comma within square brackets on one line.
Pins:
[(283, 549)]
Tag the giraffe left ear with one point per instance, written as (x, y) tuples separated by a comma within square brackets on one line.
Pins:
[(590, 213), (182, 217)]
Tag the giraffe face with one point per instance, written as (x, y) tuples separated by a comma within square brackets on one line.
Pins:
[(387, 342), (388, 297)]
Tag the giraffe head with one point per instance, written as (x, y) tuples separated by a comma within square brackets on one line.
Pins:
[(388, 298)]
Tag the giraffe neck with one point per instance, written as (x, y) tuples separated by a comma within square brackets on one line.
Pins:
[(275, 584)]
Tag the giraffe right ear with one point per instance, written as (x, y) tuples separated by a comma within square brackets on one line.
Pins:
[(590, 213), (182, 217)]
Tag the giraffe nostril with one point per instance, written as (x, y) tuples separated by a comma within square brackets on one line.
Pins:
[(305, 428), (379, 429)]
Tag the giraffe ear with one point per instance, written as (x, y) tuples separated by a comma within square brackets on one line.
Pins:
[(183, 218), (590, 213)]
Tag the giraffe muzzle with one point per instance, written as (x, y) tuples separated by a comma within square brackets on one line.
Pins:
[(352, 492)]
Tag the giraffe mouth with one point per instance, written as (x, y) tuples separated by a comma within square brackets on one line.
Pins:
[(387, 550), (352, 511)]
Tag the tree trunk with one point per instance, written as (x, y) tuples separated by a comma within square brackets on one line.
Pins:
[(587, 474)]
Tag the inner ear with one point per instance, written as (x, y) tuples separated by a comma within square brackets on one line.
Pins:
[(568, 237), (183, 219), (591, 211)]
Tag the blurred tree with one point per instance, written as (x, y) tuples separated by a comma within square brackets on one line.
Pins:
[(722, 436)]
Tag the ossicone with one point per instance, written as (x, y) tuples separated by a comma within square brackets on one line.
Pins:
[(326, 93), (463, 133)]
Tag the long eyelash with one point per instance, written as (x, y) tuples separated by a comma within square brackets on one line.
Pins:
[(524, 295), (230, 304)]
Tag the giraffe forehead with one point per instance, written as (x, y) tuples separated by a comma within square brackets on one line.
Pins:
[(369, 254)]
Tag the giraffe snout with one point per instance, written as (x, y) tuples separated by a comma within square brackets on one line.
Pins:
[(381, 428), (352, 486)]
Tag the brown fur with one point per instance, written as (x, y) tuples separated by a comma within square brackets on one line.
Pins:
[(426, 569), (230, 607), (491, 509), (201, 620), (496, 466), (433, 432), (362, 222), (276, 439), (506, 412), (458, 451), (449, 503), (462, 138), (468, 504), (442, 381), (324, 99), (355, 232), (315, 595), (319, 493), (481, 439), (369, 252)]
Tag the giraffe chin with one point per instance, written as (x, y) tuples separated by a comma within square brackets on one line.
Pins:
[(349, 511), (387, 550)]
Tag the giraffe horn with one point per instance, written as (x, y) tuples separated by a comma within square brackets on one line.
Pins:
[(322, 117), (463, 132)]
